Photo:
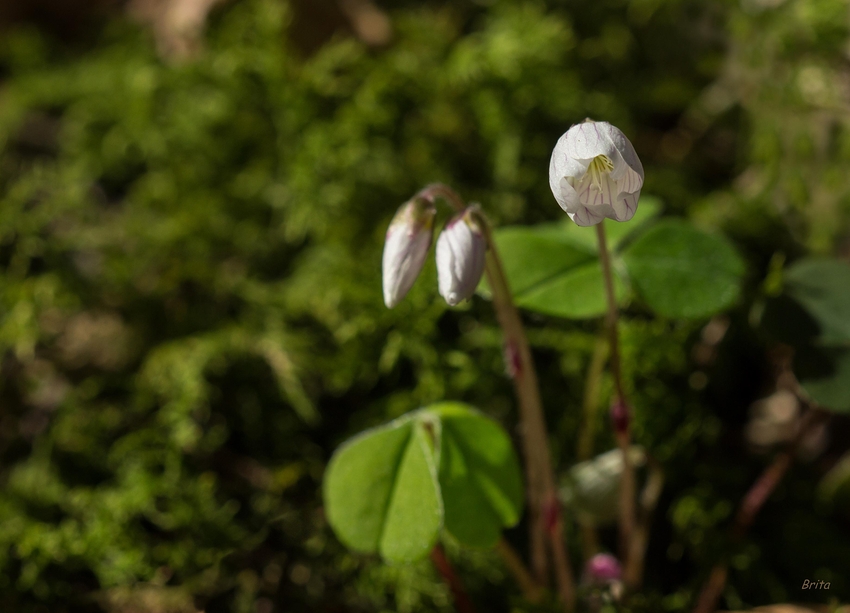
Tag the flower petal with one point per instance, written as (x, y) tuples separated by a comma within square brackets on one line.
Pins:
[(562, 166), (460, 260), (628, 170), (625, 206), (595, 193), (405, 249), (584, 213), (585, 141), (582, 187)]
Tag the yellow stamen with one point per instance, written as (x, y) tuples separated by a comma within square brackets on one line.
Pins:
[(599, 165)]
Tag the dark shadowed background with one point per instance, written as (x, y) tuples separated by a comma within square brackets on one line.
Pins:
[(193, 201)]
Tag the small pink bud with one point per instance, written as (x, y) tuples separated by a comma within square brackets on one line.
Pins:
[(407, 243), (461, 248), (602, 569)]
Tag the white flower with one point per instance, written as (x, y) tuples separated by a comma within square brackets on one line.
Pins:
[(595, 173), (405, 248), (461, 248)]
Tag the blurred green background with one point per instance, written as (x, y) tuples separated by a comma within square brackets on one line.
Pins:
[(193, 200)]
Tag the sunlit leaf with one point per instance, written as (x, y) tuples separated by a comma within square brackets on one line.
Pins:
[(681, 271), (554, 268), (381, 492), (479, 475), (550, 273)]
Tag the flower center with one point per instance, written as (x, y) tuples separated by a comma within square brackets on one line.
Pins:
[(599, 166)]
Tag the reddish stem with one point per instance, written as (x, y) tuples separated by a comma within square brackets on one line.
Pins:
[(542, 490), (462, 602), (628, 487)]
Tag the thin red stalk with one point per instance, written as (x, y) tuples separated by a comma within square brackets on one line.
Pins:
[(546, 523), (462, 602), (524, 375), (623, 434), (525, 394)]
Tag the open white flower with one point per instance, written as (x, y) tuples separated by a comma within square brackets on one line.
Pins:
[(405, 248), (595, 173), (461, 249)]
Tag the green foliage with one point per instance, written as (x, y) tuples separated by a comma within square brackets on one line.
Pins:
[(825, 375), (479, 476), (683, 272), (678, 270), (190, 307), (549, 274), (381, 493), (822, 287), (390, 489), (812, 314)]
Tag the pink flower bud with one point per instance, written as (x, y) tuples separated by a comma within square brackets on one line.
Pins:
[(461, 248), (602, 569), (408, 239)]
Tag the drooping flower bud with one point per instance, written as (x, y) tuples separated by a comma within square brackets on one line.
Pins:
[(595, 173), (602, 569), (461, 248), (408, 239)]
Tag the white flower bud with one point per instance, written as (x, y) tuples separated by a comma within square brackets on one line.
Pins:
[(405, 248), (595, 173), (461, 248)]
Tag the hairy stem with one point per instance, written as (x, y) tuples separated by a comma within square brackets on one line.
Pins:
[(462, 602), (546, 524), (623, 434), (521, 368), (752, 503)]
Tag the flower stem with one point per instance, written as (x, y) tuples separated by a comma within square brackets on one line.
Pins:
[(546, 524), (623, 427), (545, 510), (462, 602), (439, 190)]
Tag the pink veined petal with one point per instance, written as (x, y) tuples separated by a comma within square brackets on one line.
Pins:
[(613, 194), (586, 217), (629, 182), (582, 214), (565, 194), (585, 141), (591, 194), (625, 206)]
